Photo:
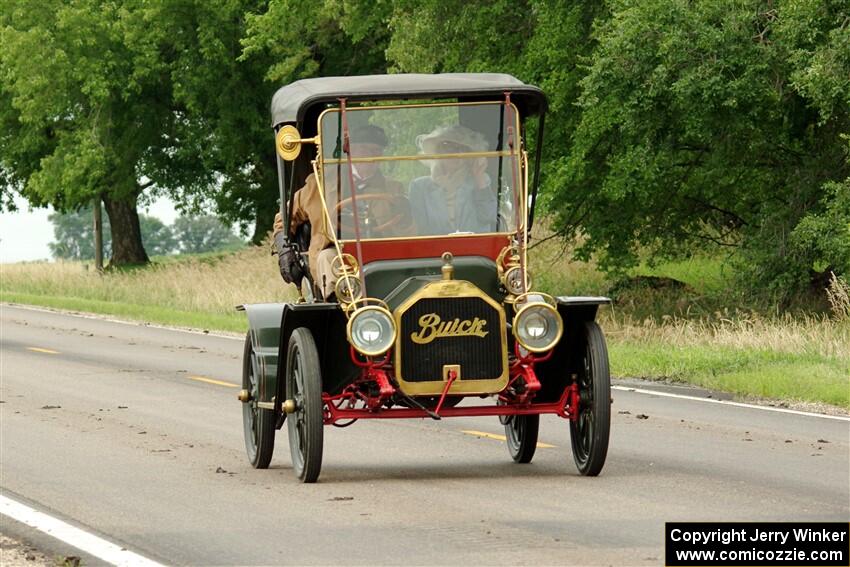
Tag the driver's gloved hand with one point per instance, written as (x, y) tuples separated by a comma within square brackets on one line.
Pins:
[(288, 259)]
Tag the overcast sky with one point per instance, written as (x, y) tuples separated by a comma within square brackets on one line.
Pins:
[(25, 234)]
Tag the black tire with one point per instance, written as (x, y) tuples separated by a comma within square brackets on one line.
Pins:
[(521, 433), (304, 385), (590, 432), (258, 423)]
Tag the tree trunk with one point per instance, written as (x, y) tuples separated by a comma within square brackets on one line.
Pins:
[(127, 248)]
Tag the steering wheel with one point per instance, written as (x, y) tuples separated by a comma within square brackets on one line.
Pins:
[(393, 222)]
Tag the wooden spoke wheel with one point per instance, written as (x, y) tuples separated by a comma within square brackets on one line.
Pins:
[(590, 432), (304, 386), (258, 423)]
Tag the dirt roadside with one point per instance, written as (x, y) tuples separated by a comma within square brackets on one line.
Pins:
[(14, 553)]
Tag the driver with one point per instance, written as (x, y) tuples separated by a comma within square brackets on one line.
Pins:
[(365, 141)]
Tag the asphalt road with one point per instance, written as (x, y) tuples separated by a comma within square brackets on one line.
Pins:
[(135, 433)]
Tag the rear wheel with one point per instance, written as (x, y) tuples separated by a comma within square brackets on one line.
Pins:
[(258, 423), (304, 386), (589, 433), (521, 433)]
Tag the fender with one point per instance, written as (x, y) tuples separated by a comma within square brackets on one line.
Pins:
[(580, 307), (555, 373), (264, 330), (270, 325), (326, 322)]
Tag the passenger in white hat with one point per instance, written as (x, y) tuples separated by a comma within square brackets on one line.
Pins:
[(458, 195)]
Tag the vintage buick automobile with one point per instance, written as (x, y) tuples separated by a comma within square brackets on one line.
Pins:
[(432, 311)]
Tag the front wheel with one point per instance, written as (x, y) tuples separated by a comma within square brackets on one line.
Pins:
[(304, 386), (589, 433), (258, 423), (521, 432)]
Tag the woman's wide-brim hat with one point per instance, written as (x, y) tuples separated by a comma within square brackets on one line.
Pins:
[(461, 135)]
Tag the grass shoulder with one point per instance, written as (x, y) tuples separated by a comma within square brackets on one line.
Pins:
[(234, 322), (745, 372)]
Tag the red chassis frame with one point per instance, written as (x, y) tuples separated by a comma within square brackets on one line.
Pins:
[(375, 374)]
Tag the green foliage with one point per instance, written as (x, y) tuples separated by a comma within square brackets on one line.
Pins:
[(219, 150), (697, 130), (280, 43), (823, 235), (319, 38), (433, 36), (203, 234)]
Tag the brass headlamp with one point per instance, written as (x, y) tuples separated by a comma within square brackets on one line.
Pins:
[(537, 325), (371, 329)]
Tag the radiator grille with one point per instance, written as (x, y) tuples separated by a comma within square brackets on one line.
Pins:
[(480, 358)]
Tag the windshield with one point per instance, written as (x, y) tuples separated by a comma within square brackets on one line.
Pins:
[(422, 170)]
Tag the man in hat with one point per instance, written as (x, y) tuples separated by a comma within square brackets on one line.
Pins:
[(457, 196), (365, 141)]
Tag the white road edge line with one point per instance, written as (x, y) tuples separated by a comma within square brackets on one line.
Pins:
[(91, 544), (728, 403), (119, 321)]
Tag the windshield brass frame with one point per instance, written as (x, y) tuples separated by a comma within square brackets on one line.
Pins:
[(419, 157), (517, 153)]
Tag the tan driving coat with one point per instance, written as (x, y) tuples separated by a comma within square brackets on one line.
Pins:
[(307, 207)]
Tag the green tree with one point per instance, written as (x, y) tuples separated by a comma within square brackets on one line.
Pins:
[(431, 36), (220, 151), (308, 38), (196, 234), (711, 124), (83, 100)]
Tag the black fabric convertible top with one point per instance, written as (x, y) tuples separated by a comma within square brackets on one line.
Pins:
[(291, 103)]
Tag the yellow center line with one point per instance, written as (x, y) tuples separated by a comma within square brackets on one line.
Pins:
[(44, 350), (500, 437), (211, 381)]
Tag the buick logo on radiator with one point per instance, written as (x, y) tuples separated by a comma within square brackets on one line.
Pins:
[(432, 327)]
